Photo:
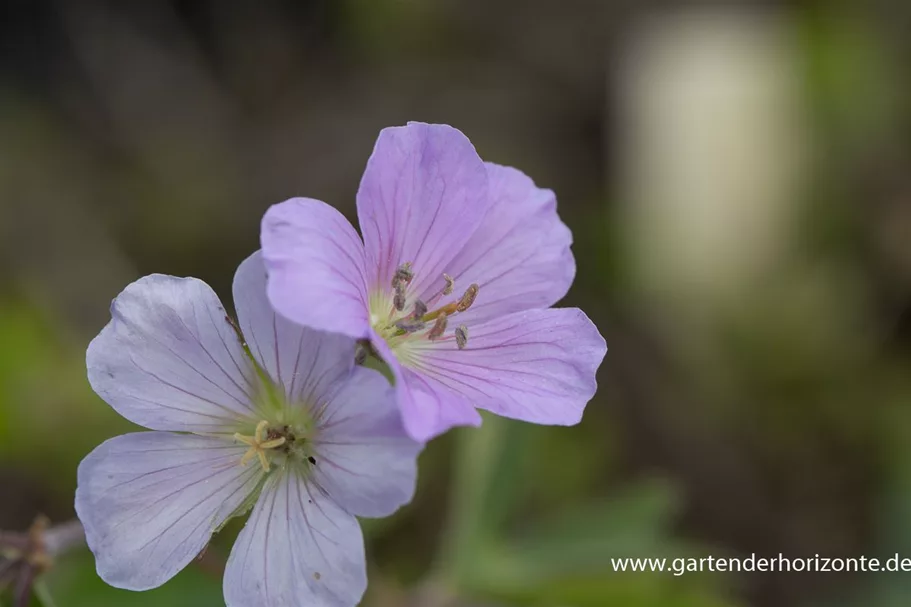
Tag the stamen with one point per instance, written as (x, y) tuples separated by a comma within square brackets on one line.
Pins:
[(360, 354), (403, 274), (446, 310), (258, 446), (439, 327), (399, 300), (420, 308), (461, 335), (410, 325), (468, 298), (420, 315)]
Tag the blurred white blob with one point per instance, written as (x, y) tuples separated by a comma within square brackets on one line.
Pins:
[(712, 145)]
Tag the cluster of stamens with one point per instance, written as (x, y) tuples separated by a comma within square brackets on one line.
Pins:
[(266, 440), (420, 316)]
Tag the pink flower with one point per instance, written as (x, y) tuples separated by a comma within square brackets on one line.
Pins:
[(451, 285)]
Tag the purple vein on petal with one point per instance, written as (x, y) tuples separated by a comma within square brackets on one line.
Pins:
[(185, 391), (203, 375), (224, 344), (212, 358)]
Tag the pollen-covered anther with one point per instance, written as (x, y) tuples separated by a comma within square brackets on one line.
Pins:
[(461, 335), (438, 328), (399, 299), (259, 443), (468, 298), (420, 308), (403, 275), (450, 284)]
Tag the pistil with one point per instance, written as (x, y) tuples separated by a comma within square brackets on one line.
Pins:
[(259, 443)]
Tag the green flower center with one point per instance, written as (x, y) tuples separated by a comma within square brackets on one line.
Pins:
[(286, 431), (282, 444)]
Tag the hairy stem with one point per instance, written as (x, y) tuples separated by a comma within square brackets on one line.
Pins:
[(25, 556)]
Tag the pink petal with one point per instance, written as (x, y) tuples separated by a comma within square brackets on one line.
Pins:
[(429, 408), (520, 256), (422, 196), (315, 262), (538, 366)]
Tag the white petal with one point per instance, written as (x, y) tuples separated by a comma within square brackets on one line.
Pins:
[(298, 549), (364, 458), (307, 364), (150, 501), (170, 360)]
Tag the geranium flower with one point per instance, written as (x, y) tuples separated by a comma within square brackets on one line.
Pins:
[(283, 423), (450, 285)]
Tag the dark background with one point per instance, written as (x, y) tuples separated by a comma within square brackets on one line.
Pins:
[(737, 179)]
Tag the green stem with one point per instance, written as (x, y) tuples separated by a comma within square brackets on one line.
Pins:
[(44, 594), (466, 532)]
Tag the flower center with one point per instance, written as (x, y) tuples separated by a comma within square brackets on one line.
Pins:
[(271, 441), (399, 319)]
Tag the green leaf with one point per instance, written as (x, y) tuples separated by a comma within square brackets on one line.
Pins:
[(583, 540)]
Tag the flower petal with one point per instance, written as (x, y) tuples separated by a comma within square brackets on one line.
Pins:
[(422, 196), (150, 501), (365, 460), (170, 360), (315, 262), (297, 548), (520, 256), (428, 408), (307, 364), (538, 366)]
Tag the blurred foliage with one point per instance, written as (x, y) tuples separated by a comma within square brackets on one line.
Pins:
[(48, 413), (565, 559), (73, 583)]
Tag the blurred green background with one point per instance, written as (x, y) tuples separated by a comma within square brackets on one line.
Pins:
[(737, 180)]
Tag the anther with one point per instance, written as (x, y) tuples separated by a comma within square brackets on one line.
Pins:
[(420, 308), (461, 335), (468, 298), (403, 274), (439, 327), (450, 284), (399, 300), (410, 325)]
